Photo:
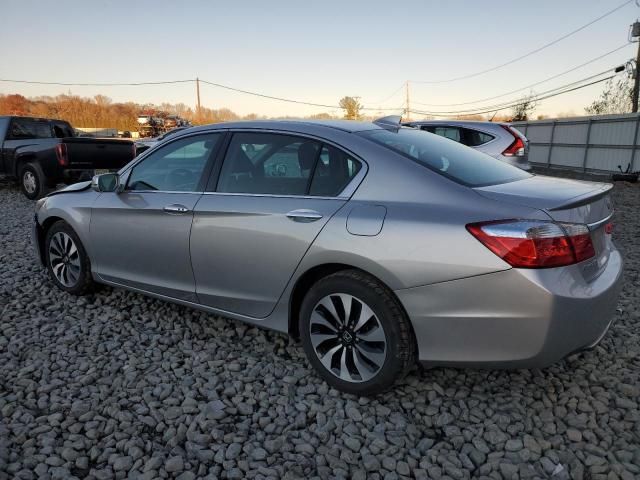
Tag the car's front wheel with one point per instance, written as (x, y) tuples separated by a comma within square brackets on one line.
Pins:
[(355, 333), (67, 261)]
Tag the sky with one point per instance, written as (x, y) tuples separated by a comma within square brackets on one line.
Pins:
[(312, 51)]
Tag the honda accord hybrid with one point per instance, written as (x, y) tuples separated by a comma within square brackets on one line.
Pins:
[(377, 245)]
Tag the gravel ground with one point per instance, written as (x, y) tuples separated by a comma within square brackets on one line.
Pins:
[(117, 385)]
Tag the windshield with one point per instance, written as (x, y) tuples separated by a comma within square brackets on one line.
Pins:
[(446, 157)]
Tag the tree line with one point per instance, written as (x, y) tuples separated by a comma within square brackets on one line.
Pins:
[(101, 112)]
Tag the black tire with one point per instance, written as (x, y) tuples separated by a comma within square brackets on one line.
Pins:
[(400, 344), (84, 283), (32, 181)]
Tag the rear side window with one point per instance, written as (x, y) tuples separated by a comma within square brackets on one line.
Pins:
[(275, 164), (449, 159), (62, 130), (452, 133), (474, 138), (26, 128), (267, 163), (334, 171)]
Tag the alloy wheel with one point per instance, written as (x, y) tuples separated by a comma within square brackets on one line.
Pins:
[(347, 337), (64, 259), (29, 182)]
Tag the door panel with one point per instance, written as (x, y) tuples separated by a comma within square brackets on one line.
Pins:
[(140, 237), (137, 243), (245, 248)]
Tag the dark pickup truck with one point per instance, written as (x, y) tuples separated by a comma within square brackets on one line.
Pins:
[(40, 153)]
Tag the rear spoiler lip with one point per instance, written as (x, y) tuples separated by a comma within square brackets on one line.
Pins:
[(584, 199)]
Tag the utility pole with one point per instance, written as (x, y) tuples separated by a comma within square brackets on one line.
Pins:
[(198, 95), (408, 106), (635, 33)]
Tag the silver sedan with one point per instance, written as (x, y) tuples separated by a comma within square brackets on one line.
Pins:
[(377, 245)]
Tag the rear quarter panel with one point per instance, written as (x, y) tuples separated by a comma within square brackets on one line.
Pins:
[(423, 239)]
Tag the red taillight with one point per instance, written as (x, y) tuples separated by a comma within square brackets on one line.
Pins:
[(534, 243), (517, 148), (61, 155)]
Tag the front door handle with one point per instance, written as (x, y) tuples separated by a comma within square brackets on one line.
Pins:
[(175, 208), (304, 215)]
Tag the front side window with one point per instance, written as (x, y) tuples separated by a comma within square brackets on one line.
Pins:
[(450, 159), (176, 167), (268, 163)]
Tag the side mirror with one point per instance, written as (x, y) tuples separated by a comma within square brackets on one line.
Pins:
[(107, 182)]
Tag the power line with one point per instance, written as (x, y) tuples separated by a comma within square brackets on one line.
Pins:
[(226, 87), (528, 54), (390, 96), (528, 86), (536, 99), (552, 90), (63, 84), (283, 99)]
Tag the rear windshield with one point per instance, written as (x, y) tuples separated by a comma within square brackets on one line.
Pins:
[(450, 159)]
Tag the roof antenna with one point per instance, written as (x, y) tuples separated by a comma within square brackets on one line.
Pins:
[(389, 121)]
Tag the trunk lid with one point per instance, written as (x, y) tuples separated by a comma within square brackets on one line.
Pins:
[(565, 200)]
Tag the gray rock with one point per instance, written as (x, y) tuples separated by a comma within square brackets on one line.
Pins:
[(123, 463), (174, 464)]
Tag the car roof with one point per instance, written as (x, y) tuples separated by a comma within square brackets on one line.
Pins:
[(293, 125), (469, 123)]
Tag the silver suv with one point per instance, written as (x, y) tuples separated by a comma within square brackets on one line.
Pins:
[(500, 140)]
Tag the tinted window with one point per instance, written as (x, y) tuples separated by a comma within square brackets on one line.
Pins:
[(269, 164), (452, 133), (176, 167), (61, 130), (334, 171), (25, 128), (450, 159), (474, 138)]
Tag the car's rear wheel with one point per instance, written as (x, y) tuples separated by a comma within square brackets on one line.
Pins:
[(355, 333), (67, 261), (32, 181)]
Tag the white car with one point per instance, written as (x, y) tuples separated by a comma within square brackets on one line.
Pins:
[(500, 140)]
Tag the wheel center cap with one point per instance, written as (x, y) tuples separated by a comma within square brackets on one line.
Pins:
[(347, 337)]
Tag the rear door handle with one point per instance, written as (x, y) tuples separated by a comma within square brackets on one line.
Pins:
[(175, 208), (304, 216)]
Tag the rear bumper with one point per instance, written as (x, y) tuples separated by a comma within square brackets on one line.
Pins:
[(513, 319)]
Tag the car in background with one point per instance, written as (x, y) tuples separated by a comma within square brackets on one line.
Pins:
[(39, 153), (376, 245), (146, 143), (500, 140)]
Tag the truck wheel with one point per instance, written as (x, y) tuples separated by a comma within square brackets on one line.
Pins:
[(32, 181), (355, 333)]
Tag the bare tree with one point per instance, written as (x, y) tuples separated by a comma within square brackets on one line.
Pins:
[(351, 107), (524, 108), (616, 98)]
